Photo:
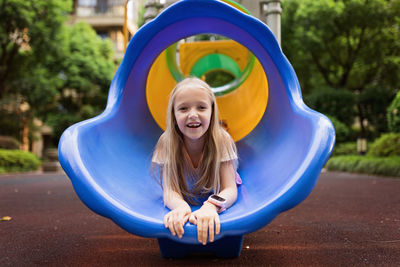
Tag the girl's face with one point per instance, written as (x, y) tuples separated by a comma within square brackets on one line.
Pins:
[(193, 109)]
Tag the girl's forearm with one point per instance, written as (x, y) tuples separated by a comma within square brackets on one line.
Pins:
[(174, 200), (230, 194)]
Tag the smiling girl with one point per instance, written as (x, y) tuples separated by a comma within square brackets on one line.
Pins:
[(198, 161)]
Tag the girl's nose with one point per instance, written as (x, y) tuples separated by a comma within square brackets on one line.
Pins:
[(192, 114)]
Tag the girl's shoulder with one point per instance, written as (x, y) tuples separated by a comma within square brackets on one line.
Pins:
[(227, 147)]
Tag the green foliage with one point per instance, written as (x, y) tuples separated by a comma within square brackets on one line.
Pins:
[(17, 161), (386, 145), (346, 44), (387, 166), (31, 53), (8, 142), (331, 102), (140, 13), (349, 148), (29, 45), (373, 104), (393, 115), (87, 71), (342, 131)]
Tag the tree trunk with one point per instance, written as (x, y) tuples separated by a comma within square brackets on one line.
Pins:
[(25, 132), (361, 117)]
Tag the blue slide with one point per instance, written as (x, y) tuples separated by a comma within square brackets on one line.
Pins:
[(108, 157)]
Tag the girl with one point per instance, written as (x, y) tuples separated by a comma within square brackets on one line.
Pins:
[(197, 157)]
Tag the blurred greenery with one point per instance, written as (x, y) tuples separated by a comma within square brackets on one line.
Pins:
[(348, 148), (386, 145), (88, 69), (393, 114), (388, 166), (337, 103), (17, 161), (341, 129), (346, 44), (62, 72)]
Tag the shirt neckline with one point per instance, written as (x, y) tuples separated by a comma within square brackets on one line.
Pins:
[(189, 160)]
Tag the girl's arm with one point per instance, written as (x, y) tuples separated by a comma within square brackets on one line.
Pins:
[(179, 214), (228, 183), (206, 217)]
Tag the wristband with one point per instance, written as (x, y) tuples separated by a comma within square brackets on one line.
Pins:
[(217, 201)]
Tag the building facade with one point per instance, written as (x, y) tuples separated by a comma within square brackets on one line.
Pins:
[(107, 17)]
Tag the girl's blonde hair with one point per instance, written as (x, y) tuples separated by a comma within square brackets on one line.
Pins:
[(170, 148)]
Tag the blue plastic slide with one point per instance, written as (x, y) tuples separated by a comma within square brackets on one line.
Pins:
[(108, 157)]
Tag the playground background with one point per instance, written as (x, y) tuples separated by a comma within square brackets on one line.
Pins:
[(56, 64), (55, 70)]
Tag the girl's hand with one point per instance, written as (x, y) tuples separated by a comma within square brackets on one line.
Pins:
[(176, 219), (205, 218)]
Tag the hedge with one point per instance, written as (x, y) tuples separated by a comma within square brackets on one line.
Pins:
[(17, 161), (385, 146), (349, 148), (386, 166), (393, 114)]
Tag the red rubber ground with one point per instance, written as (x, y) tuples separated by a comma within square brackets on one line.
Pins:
[(347, 220)]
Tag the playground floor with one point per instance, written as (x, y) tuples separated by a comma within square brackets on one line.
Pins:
[(348, 220)]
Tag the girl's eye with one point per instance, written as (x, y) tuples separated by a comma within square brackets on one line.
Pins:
[(182, 108), (202, 108)]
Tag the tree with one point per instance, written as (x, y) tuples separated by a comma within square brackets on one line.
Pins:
[(87, 70), (30, 53), (344, 44), (59, 73)]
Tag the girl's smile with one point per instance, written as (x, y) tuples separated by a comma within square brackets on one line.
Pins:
[(193, 110)]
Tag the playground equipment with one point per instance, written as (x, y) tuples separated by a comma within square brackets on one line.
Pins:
[(281, 154)]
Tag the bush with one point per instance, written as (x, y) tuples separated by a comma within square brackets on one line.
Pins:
[(8, 142), (17, 161), (393, 114), (388, 166), (338, 103), (374, 102), (349, 148), (386, 145), (342, 131)]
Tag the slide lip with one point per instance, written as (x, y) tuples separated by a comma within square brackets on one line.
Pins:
[(150, 227)]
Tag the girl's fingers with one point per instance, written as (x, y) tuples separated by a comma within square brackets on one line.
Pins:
[(171, 226), (211, 230), (166, 220), (178, 226), (192, 219), (186, 218), (217, 225), (200, 230), (205, 231)]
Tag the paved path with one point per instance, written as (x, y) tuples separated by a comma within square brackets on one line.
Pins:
[(348, 220)]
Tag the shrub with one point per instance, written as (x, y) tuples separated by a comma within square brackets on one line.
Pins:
[(374, 102), (8, 142), (342, 131), (338, 103), (388, 166), (386, 145), (393, 114), (349, 148), (17, 161)]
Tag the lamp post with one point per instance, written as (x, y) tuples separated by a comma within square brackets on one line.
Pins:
[(125, 27), (272, 11)]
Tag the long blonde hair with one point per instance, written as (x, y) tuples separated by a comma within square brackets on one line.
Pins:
[(170, 148)]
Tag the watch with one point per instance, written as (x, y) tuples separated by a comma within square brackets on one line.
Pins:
[(217, 201)]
